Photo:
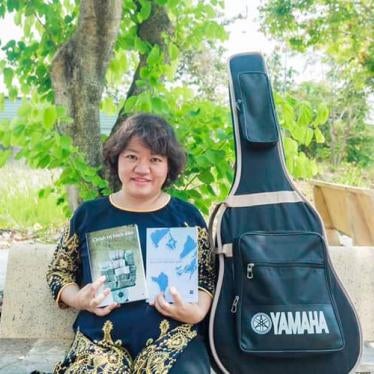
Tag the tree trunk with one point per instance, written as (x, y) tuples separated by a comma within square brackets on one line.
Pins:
[(78, 75), (151, 30)]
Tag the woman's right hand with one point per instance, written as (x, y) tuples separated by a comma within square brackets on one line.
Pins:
[(86, 298)]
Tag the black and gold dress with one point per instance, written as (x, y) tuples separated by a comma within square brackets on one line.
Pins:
[(135, 338)]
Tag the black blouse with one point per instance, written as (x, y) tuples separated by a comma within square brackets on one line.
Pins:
[(137, 322)]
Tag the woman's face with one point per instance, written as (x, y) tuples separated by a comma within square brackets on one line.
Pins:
[(141, 172)]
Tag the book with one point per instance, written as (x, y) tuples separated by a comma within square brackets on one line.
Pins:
[(116, 253), (172, 260)]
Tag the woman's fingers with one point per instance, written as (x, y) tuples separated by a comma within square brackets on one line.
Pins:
[(98, 299), (177, 298), (104, 311), (95, 286), (163, 306)]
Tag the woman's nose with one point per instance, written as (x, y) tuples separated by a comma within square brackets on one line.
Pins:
[(142, 167)]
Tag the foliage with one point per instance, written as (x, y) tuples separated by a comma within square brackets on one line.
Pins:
[(360, 148), (38, 129), (206, 71), (301, 125), (348, 138), (203, 126), (347, 173), (33, 131), (342, 29), (282, 76)]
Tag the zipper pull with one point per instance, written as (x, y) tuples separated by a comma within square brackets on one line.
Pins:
[(238, 105), (234, 306), (250, 267)]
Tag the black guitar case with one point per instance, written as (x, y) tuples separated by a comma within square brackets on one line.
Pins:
[(279, 306)]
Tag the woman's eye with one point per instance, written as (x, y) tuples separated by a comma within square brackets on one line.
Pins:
[(156, 159), (130, 157)]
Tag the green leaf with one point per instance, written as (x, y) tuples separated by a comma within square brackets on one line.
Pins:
[(13, 93), (144, 102), (44, 161), (172, 4), (45, 192), (13, 5), (2, 102), (8, 77), (154, 56), (141, 83), (159, 105), (305, 114), (49, 116), (5, 135), (298, 133), (4, 155), (130, 104), (141, 46), (66, 142), (145, 11), (17, 19), (308, 136), (194, 194), (206, 177), (290, 147), (322, 115), (108, 106), (173, 51), (25, 109), (319, 136)]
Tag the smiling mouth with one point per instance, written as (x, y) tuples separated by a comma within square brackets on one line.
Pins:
[(141, 180)]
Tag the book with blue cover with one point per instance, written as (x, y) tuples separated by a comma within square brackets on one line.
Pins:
[(172, 260), (116, 254)]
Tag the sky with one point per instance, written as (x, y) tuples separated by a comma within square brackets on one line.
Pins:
[(245, 36)]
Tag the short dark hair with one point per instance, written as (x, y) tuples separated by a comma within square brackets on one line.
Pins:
[(156, 134)]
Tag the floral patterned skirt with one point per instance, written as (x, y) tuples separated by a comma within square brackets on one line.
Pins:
[(158, 356)]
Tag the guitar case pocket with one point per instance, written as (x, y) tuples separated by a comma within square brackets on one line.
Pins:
[(283, 304)]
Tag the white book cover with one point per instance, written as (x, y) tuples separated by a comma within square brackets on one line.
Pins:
[(116, 254), (172, 261)]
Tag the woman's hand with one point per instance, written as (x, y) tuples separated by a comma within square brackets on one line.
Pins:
[(86, 299), (182, 311)]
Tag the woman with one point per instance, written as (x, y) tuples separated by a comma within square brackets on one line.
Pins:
[(135, 337)]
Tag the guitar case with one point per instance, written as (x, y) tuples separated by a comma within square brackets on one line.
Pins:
[(279, 306)]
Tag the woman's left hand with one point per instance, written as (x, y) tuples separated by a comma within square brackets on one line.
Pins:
[(182, 311)]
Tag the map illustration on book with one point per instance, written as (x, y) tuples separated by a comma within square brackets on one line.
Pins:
[(116, 253), (172, 260)]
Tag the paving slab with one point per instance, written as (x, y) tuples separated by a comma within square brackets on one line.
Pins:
[(21, 356)]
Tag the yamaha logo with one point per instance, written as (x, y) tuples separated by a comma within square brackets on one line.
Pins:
[(261, 323), (290, 323)]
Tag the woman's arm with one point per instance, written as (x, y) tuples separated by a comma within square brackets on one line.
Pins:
[(86, 298), (63, 278)]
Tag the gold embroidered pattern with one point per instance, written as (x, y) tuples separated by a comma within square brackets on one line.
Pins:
[(65, 263), (207, 273), (102, 356), (159, 357)]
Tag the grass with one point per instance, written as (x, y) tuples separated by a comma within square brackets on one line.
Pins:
[(20, 207), (348, 174)]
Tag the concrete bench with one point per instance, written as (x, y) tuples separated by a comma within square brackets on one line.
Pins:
[(34, 333)]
